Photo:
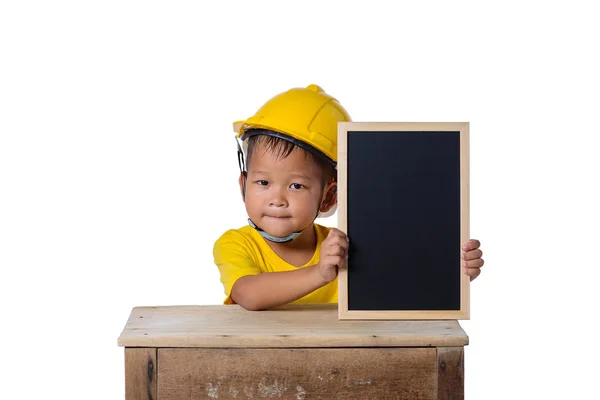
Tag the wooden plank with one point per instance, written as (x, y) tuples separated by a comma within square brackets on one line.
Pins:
[(404, 315), (296, 325), (140, 374), (451, 373), (385, 373), (342, 170)]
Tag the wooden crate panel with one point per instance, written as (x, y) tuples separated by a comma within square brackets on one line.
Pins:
[(325, 373)]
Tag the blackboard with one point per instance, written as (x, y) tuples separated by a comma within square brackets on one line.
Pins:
[(403, 202)]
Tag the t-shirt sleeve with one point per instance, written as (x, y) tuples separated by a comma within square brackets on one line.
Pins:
[(234, 259)]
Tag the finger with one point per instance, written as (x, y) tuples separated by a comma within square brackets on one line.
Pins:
[(478, 263), (471, 245), (337, 241), (335, 251), (332, 237), (472, 273), (471, 255), (344, 245), (334, 261), (338, 233), (340, 261)]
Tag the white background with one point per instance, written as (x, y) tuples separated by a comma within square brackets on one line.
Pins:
[(118, 166)]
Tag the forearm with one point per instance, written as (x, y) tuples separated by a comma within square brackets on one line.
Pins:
[(272, 289)]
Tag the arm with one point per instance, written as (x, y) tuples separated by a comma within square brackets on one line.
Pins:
[(246, 285), (272, 289)]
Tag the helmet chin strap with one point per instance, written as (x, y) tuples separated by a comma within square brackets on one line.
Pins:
[(276, 239)]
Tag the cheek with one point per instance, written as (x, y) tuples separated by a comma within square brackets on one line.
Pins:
[(250, 201), (306, 202)]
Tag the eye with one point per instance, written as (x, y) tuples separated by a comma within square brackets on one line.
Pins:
[(297, 186), (262, 183)]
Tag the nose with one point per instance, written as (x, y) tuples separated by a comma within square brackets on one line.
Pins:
[(279, 199)]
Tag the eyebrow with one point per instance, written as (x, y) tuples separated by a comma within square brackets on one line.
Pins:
[(254, 171), (301, 176)]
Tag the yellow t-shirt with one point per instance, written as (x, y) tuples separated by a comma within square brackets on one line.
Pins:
[(241, 252)]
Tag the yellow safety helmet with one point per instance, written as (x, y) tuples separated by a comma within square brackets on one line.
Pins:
[(308, 115)]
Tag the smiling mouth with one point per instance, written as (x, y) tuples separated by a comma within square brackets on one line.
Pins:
[(271, 216)]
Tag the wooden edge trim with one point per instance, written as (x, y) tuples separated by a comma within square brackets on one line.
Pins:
[(141, 372)]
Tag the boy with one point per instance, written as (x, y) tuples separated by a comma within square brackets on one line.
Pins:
[(289, 180)]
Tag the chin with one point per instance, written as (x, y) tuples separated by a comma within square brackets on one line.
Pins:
[(279, 227)]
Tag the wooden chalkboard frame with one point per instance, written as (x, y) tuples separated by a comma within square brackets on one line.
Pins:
[(345, 129)]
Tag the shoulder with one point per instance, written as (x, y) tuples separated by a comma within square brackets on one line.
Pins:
[(241, 236), (236, 234)]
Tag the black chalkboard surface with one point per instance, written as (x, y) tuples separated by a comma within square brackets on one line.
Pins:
[(403, 202)]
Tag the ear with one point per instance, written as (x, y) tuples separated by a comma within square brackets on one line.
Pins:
[(242, 182), (329, 197)]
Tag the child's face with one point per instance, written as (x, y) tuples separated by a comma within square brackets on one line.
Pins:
[(283, 196)]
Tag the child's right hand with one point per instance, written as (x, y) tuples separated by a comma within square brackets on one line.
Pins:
[(334, 250)]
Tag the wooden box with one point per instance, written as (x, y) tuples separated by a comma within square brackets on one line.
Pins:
[(292, 352)]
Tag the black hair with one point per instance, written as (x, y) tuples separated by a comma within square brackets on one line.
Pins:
[(282, 148)]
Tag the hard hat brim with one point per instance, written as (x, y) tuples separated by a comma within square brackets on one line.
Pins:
[(254, 131)]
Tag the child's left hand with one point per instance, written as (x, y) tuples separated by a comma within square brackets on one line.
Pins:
[(471, 256)]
